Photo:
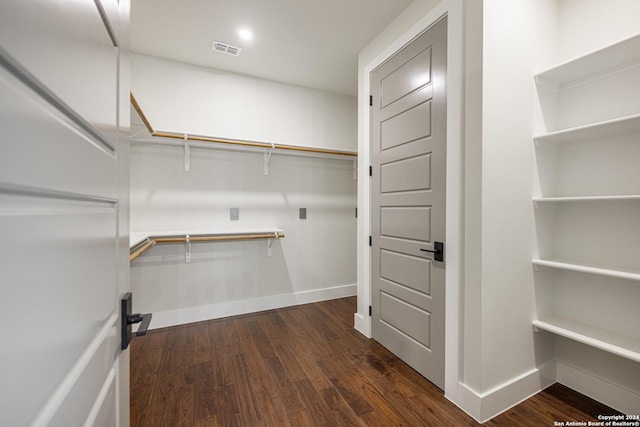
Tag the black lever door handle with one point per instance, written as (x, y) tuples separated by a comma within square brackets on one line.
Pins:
[(127, 319), (438, 252)]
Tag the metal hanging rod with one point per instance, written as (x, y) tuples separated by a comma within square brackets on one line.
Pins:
[(182, 136)]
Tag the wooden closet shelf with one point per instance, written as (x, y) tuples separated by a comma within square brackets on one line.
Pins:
[(214, 140), (140, 244)]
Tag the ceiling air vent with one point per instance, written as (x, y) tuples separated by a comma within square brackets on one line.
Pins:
[(226, 48)]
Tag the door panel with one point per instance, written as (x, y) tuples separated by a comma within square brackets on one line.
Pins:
[(400, 222), (407, 126), (66, 46), (61, 192), (408, 121), (412, 74), (402, 175), (406, 269), (408, 320)]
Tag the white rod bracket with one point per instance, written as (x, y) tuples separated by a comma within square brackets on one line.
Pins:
[(187, 154), (355, 169), (270, 243), (187, 250), (267, 158)]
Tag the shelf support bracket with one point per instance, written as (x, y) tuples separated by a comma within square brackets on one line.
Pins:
[(187, 154), (267, 158), (270, 243), (187, 249)]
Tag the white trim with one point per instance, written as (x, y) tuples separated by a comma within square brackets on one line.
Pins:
[(164, 319), (455, 35), (619, 398), (484, 406), (362, 324)]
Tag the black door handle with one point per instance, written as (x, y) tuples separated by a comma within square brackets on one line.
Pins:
[(438, 252)]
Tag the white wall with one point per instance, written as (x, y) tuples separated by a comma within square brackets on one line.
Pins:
[(316, 259), (204, 101)]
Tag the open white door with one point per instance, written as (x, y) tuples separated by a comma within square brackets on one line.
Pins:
[(63, 212)]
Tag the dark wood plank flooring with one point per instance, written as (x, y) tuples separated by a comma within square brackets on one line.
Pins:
[(302, 366)]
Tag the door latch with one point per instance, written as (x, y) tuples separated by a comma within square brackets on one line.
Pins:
[(438, 252), (127, 319)]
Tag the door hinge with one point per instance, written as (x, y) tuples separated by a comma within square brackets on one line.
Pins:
[(356, 212), (370, 311), (370, 170), (370, 240), (370, 100)]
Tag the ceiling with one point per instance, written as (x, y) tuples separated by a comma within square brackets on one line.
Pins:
[(311, 43)]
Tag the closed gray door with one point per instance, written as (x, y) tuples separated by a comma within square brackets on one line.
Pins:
[(408, 119)]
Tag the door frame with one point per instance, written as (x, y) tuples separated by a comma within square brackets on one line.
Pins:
[(453, 9)]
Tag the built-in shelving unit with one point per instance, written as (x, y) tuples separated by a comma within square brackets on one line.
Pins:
[(552, 200), (592, 131), (587, 169), (620, 345), (628, 275), (603, 60), (140, 242)]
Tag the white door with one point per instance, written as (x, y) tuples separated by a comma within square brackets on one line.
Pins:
[(408, 117), (63, 220)]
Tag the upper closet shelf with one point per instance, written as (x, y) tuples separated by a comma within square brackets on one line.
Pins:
[(239, 143), (140, 241), (552, 200), (609, 57), (587, 269), (592, 131)]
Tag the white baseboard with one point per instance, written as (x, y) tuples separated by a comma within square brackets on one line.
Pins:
[(484, 406), (610, 394), (362, 324), (164, 319)]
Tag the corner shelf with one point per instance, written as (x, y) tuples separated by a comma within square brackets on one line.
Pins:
[(628, 275), (620, 345), (620, 53), (606, 128)]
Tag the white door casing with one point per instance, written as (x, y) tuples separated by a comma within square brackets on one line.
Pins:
[(408, 156), (63, 185)]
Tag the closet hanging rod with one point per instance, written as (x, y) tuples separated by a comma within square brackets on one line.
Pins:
[(152, 241), (175, 135)]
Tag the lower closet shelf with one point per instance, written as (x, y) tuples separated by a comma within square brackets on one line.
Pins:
[(620, 345), (141, 241)]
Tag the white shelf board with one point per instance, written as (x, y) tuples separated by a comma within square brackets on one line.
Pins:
[(137, 237), (604, 129), (620, 198), (620, 345), (622, 52), (628, 275)]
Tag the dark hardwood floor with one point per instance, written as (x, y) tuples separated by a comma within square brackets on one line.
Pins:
[(302, 366)]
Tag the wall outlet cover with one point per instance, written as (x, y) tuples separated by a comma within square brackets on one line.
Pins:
[(235, 214)]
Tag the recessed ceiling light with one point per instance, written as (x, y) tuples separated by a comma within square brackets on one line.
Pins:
[(245, 34)]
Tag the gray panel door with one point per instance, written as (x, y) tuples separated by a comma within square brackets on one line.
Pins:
[(408, 119)]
